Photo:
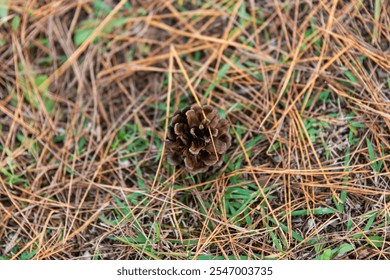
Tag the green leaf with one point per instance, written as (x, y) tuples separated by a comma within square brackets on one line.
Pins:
[(370, 222), (212, 257), (295, 235), (81, 144), (81, 35), (254, 141), (221, 73), (344, 248), (131, 240), (11, 178), (96, 255), (108, 222), (31, 95), (100, 8), (377, 11), (205, 257), (340, 205), (27, 256), (317, 244), (351, 76), (327, 255), (3, 8), (124, 209), (376, 165), (15, 23), (275, 240), (87, 27), (349, 225), (156, 230), (59, 138), (5, 172), (49, 103), (70, 171), (376, 240), (317, 211), (324, 95)]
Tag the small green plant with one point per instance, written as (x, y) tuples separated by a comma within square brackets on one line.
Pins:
[(314, 129), (375, 164), (11, 177), (330, 254), (31, 95), (131, 140)]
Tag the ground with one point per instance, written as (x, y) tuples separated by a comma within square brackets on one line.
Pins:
[(87, 89)]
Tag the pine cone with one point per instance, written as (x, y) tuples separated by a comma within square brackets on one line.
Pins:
[(189, 141)]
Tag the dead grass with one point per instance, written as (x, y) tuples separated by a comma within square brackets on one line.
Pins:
[(86, 91)]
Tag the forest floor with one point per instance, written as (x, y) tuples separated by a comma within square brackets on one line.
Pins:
[(87, 89)]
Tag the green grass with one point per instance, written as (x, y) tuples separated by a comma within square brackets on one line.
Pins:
[(376, 164), (311, 191)]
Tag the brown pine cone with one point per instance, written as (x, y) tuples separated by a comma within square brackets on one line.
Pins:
[(189, 143)]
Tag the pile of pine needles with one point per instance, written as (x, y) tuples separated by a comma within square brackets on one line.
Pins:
[(87, 89)]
